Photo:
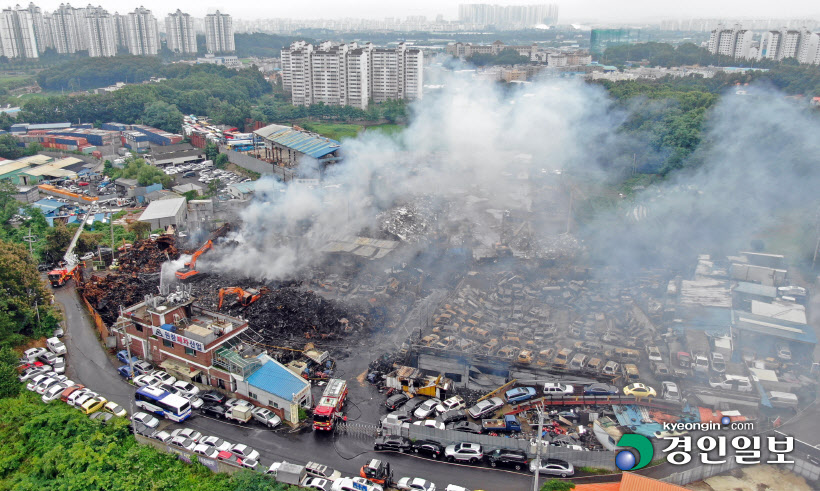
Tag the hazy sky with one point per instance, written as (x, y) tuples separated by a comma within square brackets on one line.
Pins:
[(569, 11)]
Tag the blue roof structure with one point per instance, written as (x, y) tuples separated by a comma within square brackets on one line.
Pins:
[(274, 378), (307, 143), (779, 328), (245, 187), (49, 205)]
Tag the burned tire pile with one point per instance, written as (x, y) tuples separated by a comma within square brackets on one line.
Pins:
[(137, 276)]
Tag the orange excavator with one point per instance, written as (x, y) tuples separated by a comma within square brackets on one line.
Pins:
[(189, 271), (243, 297)]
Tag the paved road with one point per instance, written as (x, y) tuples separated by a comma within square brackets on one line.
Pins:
[(90, 365)]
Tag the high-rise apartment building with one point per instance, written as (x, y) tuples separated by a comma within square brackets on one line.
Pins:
[(801, 44), (508, 16), (68, 30), (350, 75), (142, 36), (100, 32), (180, 33), (219, 33), (121, 29), (42, 33), (735, 41), (17, 39)]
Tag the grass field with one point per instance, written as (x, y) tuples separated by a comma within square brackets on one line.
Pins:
[(337, 131)]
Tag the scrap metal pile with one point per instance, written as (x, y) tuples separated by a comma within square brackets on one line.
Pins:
[(137, 276), (408, 222), (285, 314)]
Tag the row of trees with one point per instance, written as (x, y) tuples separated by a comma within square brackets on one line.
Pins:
[(506, 57), (271, 109), (137, 168)]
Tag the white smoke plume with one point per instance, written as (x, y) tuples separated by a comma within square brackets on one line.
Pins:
[(473, 151)]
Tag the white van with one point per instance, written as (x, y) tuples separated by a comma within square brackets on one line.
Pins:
[(782, 399), (56, 346), (355, 484)]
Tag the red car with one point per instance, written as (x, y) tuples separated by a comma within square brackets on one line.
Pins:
[(23, 368), (82, 183)]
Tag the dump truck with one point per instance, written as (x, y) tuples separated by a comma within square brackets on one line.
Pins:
[(287, 473), (240, 413), (507, 423)]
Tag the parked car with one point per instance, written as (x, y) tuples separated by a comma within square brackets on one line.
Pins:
[(415, 484), (452, 416), (553, 467), (213, 396), (411, 405), (33, 354), (451, 404), (599, 389), (520, 394), (115, 409), (320, 470), (233, 401), (428, 447), (54, 392), (466, 427), (142, 367), (669, 391), (214, 410), (558, 389), (426, 408), (186, 388), (122, 356), (516, 459), (245, 451), (59, 365), (146, 419), (392, 442), (783, 351), (145, 380), (182, 442), (101, 416), (206, 450), (654, 353), (188, 433), (215, 442), (464, 452), (638, 389), (164, 377), (430, 423), (266, 417), (93, 405), (393, 402), (485, 407)]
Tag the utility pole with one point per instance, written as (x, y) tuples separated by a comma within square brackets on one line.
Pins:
[(537, 461)]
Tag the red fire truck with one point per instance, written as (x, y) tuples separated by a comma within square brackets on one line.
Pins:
[(59, 276), (330, 405)]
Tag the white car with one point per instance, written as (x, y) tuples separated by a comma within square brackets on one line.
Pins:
[(415, 484), (87, 256), (431, 423), (145, 380), (182, 442), (186, 388), (558, 389), (162, 436), (485, 407), (233, 401), (34, 382), (451, 404), (146, 419), (266, 417), (32, 354), (59, 365), (454, 487), (188, 433), (426, 408), (43, 386), (206, 450), (164, 377), (77, 394), (464, 452), (196, 402), (216, 442), (245, 451), (33, 372), (83, 398), (55, 391)]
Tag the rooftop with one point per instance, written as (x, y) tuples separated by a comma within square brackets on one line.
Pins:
[(244, 187), (163, 208), (302, 141), (276, 379), (783, 329), (755, 289)]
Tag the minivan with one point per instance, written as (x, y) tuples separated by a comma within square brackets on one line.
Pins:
[(783, 399), (56, 346), (578, 362), (190, 173)]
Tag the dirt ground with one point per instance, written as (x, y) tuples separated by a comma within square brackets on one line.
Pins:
[(755, 478)]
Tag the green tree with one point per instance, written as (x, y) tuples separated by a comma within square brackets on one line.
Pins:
[(221, 161), (9, 385), (164, 116), (557, 485), (192, 194), (140, 229), (213, 187), (211, 151), (9, 148)]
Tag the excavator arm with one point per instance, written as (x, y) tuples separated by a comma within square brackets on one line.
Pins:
[(244, 297), (230, 291), (190, 267)]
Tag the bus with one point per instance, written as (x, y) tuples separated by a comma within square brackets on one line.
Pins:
[(162, 403)]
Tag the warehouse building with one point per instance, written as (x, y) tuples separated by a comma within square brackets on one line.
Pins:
[(181, 153), (165, 212), (288, 146)]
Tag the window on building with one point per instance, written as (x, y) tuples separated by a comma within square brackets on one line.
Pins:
[(190, 352), (253, 395), (220, 383), (138, 327), (273, 404), (167, 343)]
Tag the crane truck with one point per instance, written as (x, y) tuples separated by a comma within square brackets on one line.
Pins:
[(60, 276)]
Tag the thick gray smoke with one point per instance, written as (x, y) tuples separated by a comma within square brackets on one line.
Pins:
[(757, 170), (473, 153)]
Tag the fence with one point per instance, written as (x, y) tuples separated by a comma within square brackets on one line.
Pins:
[(579, 458), (260, 166), (98, 322)]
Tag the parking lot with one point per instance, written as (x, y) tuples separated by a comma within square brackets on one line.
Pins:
[(203, 174)]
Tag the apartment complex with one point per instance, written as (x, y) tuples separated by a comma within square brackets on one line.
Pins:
[(141, 33), (219, 33), (508, 16), (17, 37), (801, 44), (179, 32), (351, 75), (100, 31), (735, 42)]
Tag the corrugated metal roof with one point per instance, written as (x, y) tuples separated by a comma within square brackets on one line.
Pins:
[(307, 143), (636, 482), (755, 289), (244, 187), (163, 208), (274, 378)]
